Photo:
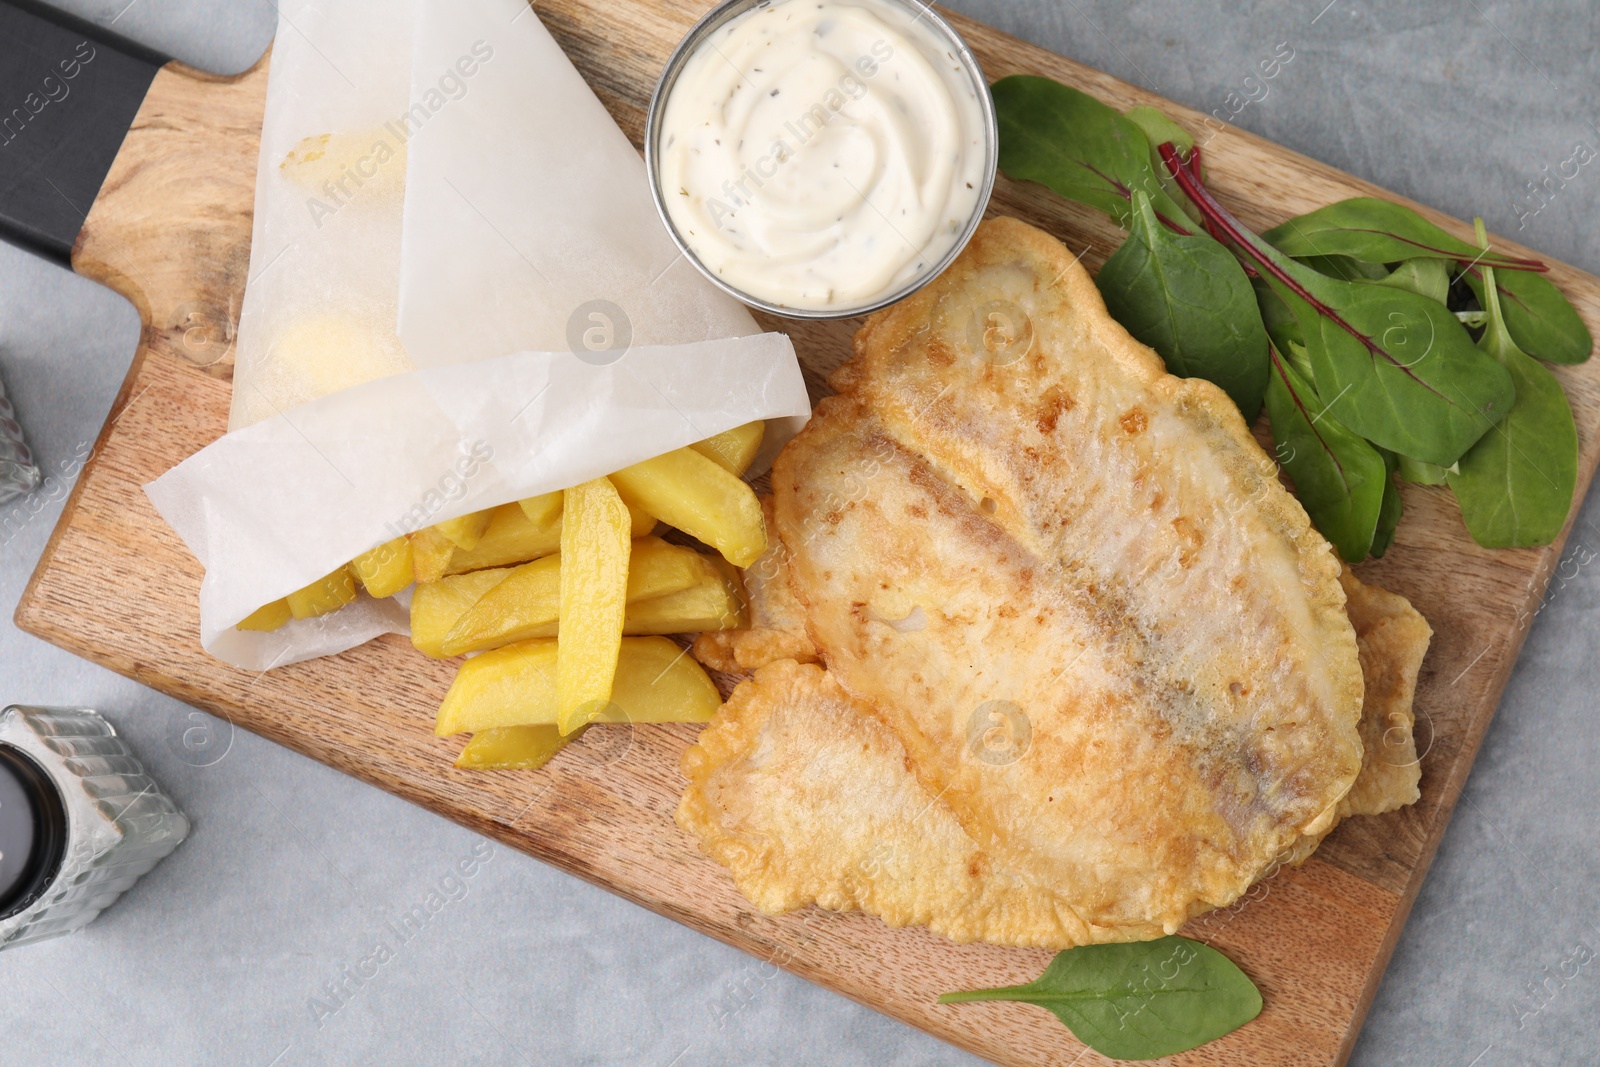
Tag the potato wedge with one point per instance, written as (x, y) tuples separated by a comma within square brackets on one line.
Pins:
[(656, 681), (509, 538), (522, 748), (387, 569), (431, 553), (527, 603), (464, 531), (713, 604), (685, 489), (734, 450), (267, 618), (326, 594), (514, 538), (595, 545), (437, 606), (546, 507)]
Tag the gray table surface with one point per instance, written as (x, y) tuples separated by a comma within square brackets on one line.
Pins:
[(293, 870)]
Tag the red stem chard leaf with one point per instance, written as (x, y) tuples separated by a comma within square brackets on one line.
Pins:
[(1339, 478), (1399, 369), (1080, 148), (1140, 1000), (1515, 487), (1187, 297), (1540, 320), (1370, 373), (1379, 231)]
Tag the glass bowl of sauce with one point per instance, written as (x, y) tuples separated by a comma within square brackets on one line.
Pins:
[(821, 158)]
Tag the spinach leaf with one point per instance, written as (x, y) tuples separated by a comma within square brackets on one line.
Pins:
[(1082, 149), (1282, 326), (1540, 320), (1141, 1000), (1425, 277), (1544, 323), (1390, 510), (1160, 129), (1377, 231), (1338, 477), (1347, 268), (1414, 470), (1399, 369), (1187, 297), (1515, 487)]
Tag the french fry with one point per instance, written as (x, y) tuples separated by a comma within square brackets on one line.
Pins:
[(523, 748), (656, 681), (326, 594), (685, 489), (713, 604), (527, 603), (387, 569), (513, 538), (464, 531), (595, 544), (267, 618), (431, 552), (734, 450), (437, 606), (546, 507), (509, 538)]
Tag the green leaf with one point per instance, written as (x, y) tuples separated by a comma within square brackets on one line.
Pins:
[(1141, 1000), (1390, 510), (1188, 298), (1515, 487), (1080, 148), (1425, 277), (1542, 322), (1414, 470), (1346, 268), (1282, 326), (1398, 368), (1374, 231), (1159, 128), (1338, 477)]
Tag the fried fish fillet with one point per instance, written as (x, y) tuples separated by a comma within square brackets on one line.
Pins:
[(1013, 520), (806, 797), (1393, 637)]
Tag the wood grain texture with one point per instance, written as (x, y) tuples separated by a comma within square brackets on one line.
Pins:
[(171, 230)]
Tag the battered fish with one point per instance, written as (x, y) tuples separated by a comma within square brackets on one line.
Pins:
[(806, 797), (1073, 588)]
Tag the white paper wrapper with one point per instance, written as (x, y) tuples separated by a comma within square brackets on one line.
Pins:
[(549, 195), (319, 309), (509, 238)]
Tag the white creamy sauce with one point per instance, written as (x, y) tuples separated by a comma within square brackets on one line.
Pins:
[(822, 155)]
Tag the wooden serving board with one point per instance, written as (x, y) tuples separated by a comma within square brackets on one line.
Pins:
[(171, 230)]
